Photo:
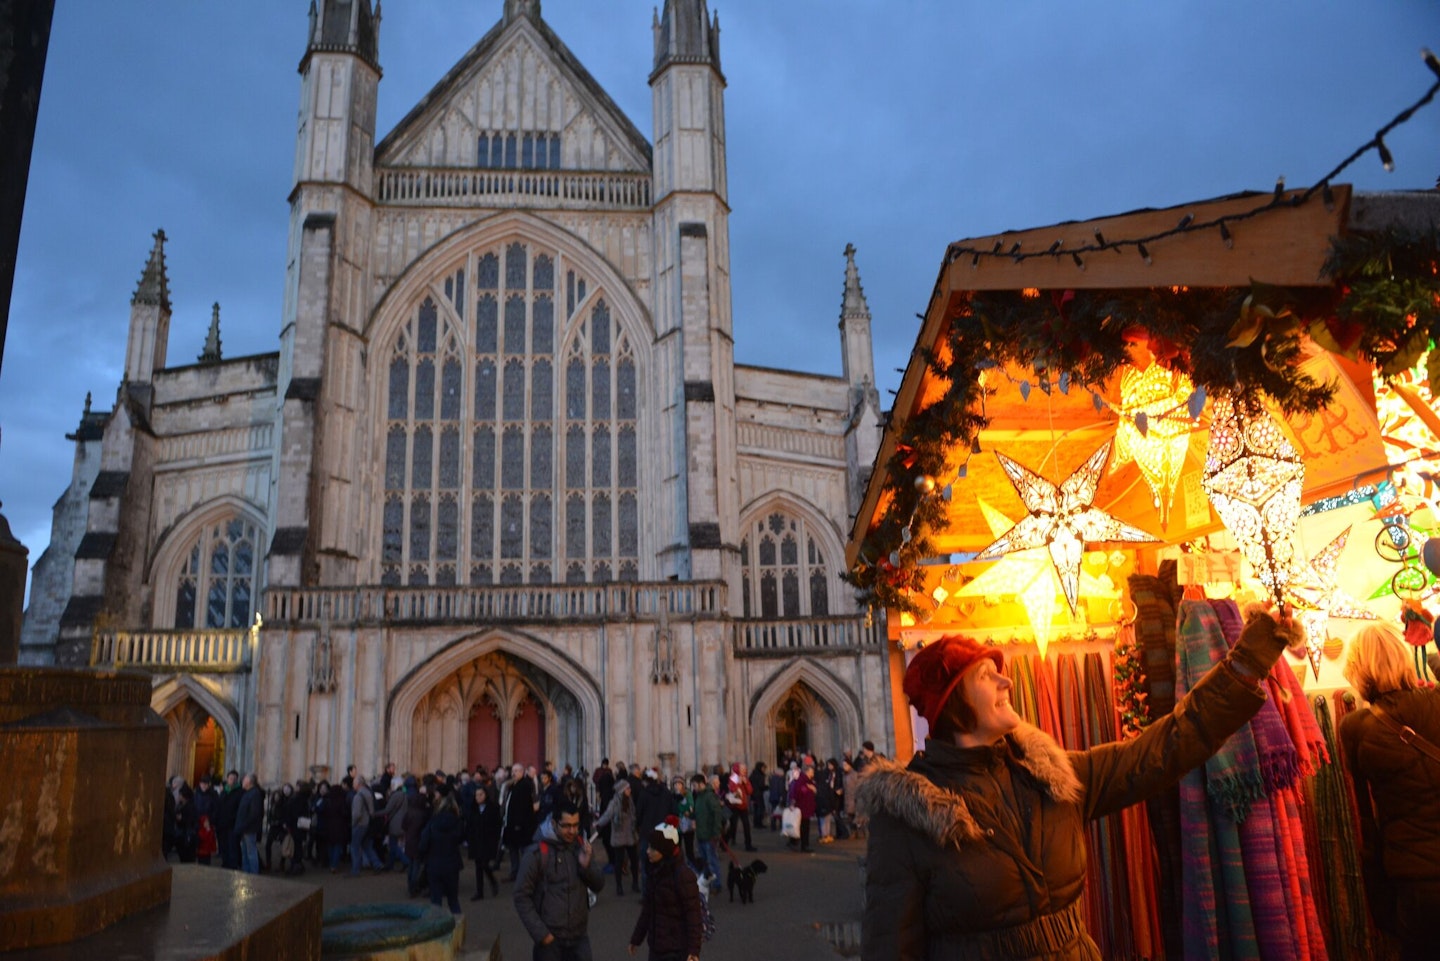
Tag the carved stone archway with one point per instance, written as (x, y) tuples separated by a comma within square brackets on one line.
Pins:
[(429, 711), (831, 710), (186, 704)]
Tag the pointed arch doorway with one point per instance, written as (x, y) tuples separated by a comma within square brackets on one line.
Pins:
[(496, 709)]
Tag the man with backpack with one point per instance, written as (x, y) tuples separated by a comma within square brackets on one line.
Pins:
[(553, 885)]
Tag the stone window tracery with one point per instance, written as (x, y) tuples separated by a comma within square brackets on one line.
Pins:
[(500, 457), (217, 582), (782, 580)]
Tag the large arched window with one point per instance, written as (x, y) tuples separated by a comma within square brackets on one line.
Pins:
[(216, 584), (784, 568), (474, 430)]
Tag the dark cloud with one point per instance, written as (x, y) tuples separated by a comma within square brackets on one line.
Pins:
[(897, 126)]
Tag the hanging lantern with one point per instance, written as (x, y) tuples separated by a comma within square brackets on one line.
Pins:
[(1062, 518), (1029, 576), (1154, 429), (1318, 585), (1315, 624), (1253, 477)]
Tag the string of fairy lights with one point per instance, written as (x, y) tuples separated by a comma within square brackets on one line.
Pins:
[(1188, 223)]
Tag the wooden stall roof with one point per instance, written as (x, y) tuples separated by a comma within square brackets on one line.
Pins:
[(1286, 245)]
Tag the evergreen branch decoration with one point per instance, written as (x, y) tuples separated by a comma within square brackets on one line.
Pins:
[(1383, 305)]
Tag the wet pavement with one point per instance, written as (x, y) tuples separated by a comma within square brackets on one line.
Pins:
[(805, 905)]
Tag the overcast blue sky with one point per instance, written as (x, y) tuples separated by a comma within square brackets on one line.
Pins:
[(898, 126)]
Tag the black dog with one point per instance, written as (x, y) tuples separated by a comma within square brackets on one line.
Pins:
[(744, 879)]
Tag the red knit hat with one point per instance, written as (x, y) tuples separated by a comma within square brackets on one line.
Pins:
[(938, 667)]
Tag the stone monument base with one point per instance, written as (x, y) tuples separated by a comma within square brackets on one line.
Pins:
[(213, 915)]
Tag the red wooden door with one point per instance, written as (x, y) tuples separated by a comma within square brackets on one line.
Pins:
[(529, 747), (482, 743)]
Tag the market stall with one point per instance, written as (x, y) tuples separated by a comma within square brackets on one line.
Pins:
[(1227, 401)]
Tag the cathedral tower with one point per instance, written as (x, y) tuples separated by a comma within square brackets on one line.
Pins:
[(325, 298), (862, 435), (692, 288), (149, 323)]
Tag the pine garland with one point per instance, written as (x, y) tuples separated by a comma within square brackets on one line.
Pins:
[(1383, 305)]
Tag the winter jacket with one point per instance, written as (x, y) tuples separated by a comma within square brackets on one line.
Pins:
[(228, 807), (362, 807), (652, 804), (737, 790), (250, 816), (621, 820), (802, 795), (416, 816), (550, 890), (708, 814), (519, 813), (485, 827), (334, 817), (670, 913), (394, 814), (440, 843), (1400, 830), (979, 853)]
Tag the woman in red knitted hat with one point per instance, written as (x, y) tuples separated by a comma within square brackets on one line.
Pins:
[(977, 847)]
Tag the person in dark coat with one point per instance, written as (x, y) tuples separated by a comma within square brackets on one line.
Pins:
[(485, 829), (519, 816), (440, 849), (670, 914), (547, 795), (249, 822), (225, 813), (977, 847), (1397, 787), (187, 826), (332, 810), (552, 892), (206, 802), (652, 805), (758, 780), (417, 815)]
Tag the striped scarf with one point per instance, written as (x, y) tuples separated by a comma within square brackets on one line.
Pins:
[(1213, 872)]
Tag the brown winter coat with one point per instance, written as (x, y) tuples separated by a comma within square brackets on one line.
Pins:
[(979, 853), (670, 915)]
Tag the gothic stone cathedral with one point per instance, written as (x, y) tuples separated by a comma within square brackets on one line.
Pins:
[(502, 493)]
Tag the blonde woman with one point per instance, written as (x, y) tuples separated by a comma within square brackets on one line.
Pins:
[(1392, 750)]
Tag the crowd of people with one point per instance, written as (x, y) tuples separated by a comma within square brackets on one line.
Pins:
[(534, 826)]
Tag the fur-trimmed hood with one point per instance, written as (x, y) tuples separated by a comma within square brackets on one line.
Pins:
[(942, 814)]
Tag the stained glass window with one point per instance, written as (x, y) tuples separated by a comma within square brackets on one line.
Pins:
[(221, 568), (558, 440), (787, 581)]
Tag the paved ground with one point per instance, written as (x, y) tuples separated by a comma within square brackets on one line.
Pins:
[(798, 902)]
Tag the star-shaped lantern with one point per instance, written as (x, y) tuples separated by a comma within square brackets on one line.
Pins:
[(1317, 589), (1063, 519), (1253, 477), (1030, 577)]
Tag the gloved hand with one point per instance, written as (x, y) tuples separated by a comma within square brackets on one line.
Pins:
[(1266, 634)]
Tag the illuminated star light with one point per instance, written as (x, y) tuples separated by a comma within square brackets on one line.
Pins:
[(1029, 576), (1318, 586), (1062, 518)]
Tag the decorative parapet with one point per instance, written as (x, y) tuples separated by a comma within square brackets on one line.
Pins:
[(473, 187), (201, 652), (813, 635), (530, 602)]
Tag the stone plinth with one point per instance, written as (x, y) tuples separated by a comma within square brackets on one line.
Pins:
[(213, 915), (81, 819)]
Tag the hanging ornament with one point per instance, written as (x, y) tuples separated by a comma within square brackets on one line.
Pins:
[(1029, 576), (1063, 519), (1315, 624), (1154, 429), (1253, 477), (1317, 586)]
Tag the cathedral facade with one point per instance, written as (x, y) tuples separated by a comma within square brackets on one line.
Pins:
[(503, 492)]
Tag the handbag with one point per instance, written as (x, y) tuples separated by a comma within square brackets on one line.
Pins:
[(790, 822)]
